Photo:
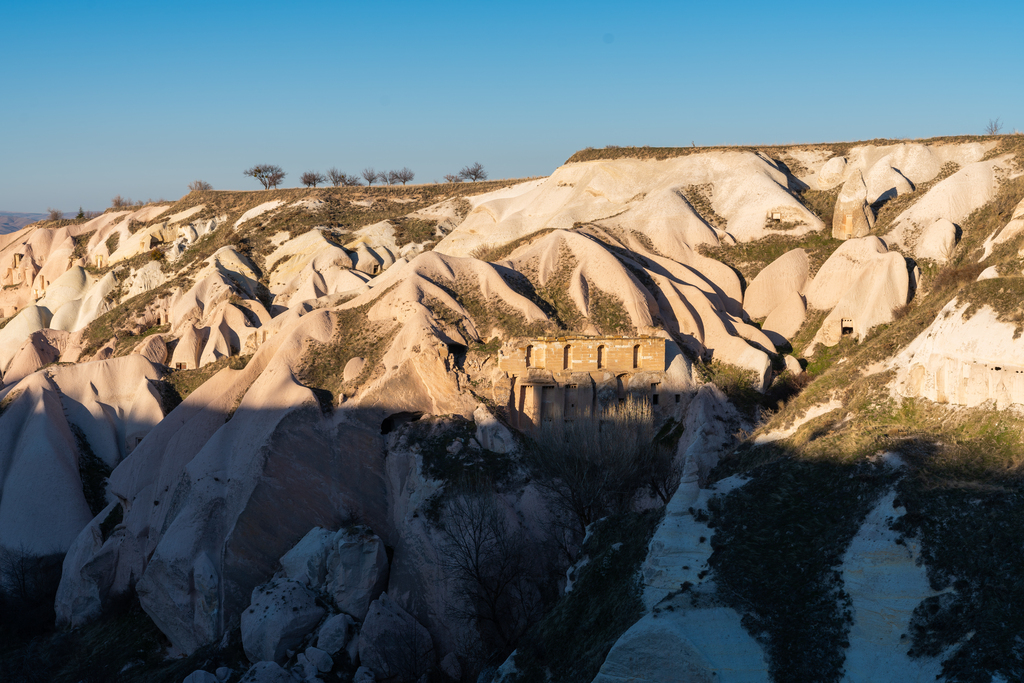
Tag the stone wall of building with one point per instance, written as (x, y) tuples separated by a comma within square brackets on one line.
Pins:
[(584, 354), (564, 378)]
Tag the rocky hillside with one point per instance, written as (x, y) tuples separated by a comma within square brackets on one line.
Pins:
[(737, 414)]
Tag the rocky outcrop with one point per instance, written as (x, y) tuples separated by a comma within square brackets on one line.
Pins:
[(953, 199), (964, 359), (350, 566), (282, 613), (862, 283), (937, 241), (393, 644), (57, 427), (773, 286), (853, 216), (647, 196), (337, 634), (786, 319)]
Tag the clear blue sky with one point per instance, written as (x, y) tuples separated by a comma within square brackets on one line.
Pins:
[(139, 98)]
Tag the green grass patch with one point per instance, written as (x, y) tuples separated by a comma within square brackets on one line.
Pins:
[(822, 203), (778, 544), (92, 471), (113, 241), (500, 253), (970, 541), (414, 231), (488, 314), (699, 198), (81, 243), (323, 364), (608, 313), (184, 382), (571, 642), (120, 322), (1004, 295), (750, 258)]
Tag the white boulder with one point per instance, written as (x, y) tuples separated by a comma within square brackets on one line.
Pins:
[(937, 241), (831, 174), (786, 319), (281, 614), (266, 672), (989, 273), (335, 633), (350, 565), (785, 276), (490, 433), (357, 570), (393, 644)]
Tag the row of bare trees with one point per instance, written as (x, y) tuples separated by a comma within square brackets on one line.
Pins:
[(403, 175), (270, 176)]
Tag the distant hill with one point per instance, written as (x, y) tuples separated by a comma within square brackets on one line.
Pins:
[(10, 221)]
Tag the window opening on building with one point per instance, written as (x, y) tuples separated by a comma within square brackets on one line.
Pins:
[(636, 356), (569, 411), (529, 355), (600, 357)]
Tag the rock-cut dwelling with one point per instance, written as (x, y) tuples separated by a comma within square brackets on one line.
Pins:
[(568, 377)]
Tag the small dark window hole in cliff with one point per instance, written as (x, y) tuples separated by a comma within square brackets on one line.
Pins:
[(393, 422), (847, 326), (458, 352)]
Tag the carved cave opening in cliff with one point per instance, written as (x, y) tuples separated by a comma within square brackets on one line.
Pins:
[(396, 420)]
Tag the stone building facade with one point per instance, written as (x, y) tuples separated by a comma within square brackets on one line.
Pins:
[(569, 377)]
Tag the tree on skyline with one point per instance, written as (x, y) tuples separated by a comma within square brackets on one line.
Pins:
[(335, 176), (312, 178), (269, 175), (475, 172), (370, 175), (404, 175)]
